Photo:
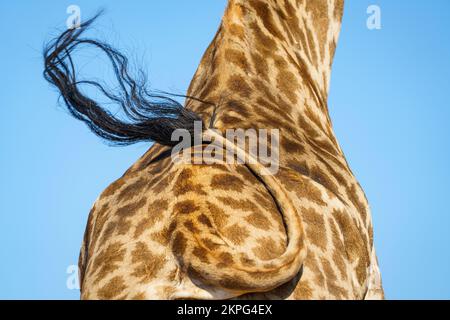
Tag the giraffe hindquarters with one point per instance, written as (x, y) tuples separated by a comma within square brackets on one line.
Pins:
[(237, 235)]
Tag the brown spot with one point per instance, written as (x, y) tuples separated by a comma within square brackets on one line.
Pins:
[(237, 31), (108, 260), (236, 234), (303, 186), (148, 264), (288, 84), (161, 236), (225, 260), (328, 270), (244, 205), (292, 147), (113, 188), (132, 190), (209, 244), (237, 58), (265, 14), (131, 209), (203, 219), (185, 207), (237, 84), (191, 227), (315, 229), (218, 215), (179, 244), (184, 184), (261, 66), (258, 220), (268, 249), (201, 254), (157, 210), (265, 44), (337, 291), (310, 131), (226, 182), (319, 176), (112, 289)]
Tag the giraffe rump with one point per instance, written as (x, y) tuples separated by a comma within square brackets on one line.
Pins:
[(148, 116)]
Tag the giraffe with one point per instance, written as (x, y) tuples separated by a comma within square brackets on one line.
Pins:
[(228, 231)]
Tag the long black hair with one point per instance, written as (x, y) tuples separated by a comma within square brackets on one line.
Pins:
[(149, 116)]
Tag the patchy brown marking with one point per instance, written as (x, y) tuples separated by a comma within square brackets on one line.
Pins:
[(304, 188), (244, 205), (292, 147), (236, 234), (315, 230), (267, 249), (261, 66), (184, 184), (237, 58), (265, 14), (179, 244), (203, 219), (189, 224), (201, 254), (237, 31), (156, 214), (218, 215), (318, 175), (185, 207), (258, 220), (264, 43), (108, 260), (132, 190), (288, 84), (226, 182), (162, 236), (112, 189), (148, 264), (131, 209), (225, 260), (112, 289), (237, 84), (209, 244)]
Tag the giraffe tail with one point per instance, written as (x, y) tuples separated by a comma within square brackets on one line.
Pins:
[(247, 274), (144, 116)]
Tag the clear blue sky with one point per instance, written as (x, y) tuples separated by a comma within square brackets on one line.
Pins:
[(389, 102)]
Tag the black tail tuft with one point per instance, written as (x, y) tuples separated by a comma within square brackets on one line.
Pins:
[(150, 117)]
